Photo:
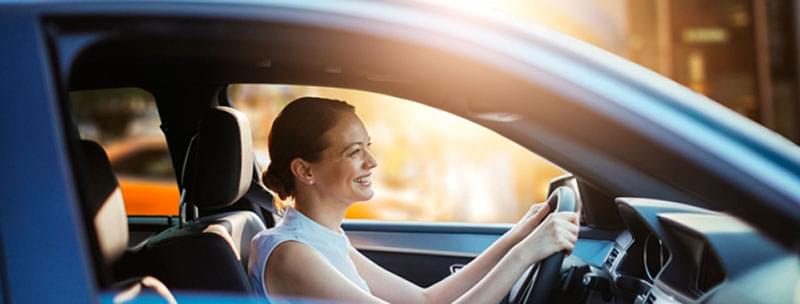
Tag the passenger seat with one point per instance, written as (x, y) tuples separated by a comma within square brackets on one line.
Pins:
[(210, 253)]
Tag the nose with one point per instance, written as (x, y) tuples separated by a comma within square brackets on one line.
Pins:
[(370, 161)]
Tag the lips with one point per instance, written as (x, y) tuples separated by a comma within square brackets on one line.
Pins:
[(363, 180)]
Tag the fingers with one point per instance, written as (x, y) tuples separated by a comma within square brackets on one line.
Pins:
[(541, 208), (540, 213), (536, 213), (573, 228), (567, 245), (566, 230), (566, 241), (535, 208), (557, 232), (570, 235), (569, 216)]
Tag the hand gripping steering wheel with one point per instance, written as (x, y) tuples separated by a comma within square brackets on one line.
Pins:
[(542, 283)]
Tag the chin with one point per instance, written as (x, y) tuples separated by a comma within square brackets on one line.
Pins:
[(365, 195)]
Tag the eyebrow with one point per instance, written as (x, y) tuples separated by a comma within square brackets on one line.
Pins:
[(369, 140)]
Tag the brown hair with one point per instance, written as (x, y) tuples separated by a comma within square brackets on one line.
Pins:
[(298, 132)]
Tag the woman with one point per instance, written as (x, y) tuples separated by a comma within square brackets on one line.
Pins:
[(320, 157)]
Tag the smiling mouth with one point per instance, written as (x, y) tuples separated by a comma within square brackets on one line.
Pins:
[(363, 180)]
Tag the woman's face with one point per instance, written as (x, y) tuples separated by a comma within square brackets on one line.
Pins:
[(343, 173)]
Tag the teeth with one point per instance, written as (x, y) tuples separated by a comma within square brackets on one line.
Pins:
[(362, 180)]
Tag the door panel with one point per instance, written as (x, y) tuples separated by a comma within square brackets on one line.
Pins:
[(421, 269), (424, 253), (457, 240)]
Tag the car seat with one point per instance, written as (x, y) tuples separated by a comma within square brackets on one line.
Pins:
[(106, 209), (210, 253)]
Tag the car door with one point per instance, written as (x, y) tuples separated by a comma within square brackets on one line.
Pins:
[(44, 257), (422, 253), (425, 253)]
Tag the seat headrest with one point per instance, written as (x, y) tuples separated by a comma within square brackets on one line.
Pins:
[(104, 202), (221, 160)]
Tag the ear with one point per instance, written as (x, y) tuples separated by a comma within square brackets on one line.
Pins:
[(301, 170)]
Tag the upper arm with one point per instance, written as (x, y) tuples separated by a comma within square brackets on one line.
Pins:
[(296, 270), (384, 284)]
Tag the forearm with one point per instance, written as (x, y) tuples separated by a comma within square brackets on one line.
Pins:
[(488, 262), (450, 288), (495, 285)]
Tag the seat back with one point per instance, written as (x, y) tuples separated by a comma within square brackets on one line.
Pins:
[(210, 253), (104, 204)]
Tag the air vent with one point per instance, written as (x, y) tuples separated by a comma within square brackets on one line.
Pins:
[(612, 256), (651, 298)]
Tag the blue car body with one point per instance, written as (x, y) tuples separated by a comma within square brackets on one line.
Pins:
[(751, 172)]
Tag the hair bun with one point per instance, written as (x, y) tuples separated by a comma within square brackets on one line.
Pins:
[(274, 182)]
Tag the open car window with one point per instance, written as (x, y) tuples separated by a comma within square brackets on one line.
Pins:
[(432, 165)]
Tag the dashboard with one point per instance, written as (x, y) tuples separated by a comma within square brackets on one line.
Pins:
[(676, 253), (669, 252)]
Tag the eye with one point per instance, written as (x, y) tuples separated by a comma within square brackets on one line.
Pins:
[(355, 152)]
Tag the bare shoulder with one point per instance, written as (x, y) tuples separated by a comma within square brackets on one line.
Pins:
[(287, 268), (295, 269), (290, 256)]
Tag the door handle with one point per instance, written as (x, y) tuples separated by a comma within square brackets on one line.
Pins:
[(455, 267)]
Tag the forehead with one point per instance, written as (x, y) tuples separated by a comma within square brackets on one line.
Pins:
[(348, 130)]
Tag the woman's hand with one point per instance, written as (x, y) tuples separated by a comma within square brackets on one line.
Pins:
[(546, 235), (558, 231), (533, 210), (529, 221)]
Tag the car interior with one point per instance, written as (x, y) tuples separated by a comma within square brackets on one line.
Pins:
[(631, 249)]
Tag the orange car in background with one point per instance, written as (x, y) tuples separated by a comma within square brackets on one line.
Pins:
[(146, 176)]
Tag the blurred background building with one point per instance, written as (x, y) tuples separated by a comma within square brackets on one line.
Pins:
[(741, 53)]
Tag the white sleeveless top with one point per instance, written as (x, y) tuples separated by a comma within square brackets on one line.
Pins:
[(295, 226)]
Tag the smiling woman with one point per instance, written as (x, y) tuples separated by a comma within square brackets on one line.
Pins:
[(322, 144), (433, 166), (321, 158)]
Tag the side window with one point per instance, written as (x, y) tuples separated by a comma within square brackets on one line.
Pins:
[(125, 122), (432, 165), (148, 163)]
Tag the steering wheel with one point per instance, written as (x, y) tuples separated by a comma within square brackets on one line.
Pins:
[(544, 278)]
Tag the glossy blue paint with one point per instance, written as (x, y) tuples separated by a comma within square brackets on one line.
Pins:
[(197, 298), (43, 243), (42, 235)]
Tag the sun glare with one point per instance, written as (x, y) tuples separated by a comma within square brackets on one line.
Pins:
[(432, 165)]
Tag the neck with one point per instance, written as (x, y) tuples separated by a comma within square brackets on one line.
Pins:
[(328, 214)]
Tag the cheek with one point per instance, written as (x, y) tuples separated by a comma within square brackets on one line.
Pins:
[(341, 173), (349, 171)]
